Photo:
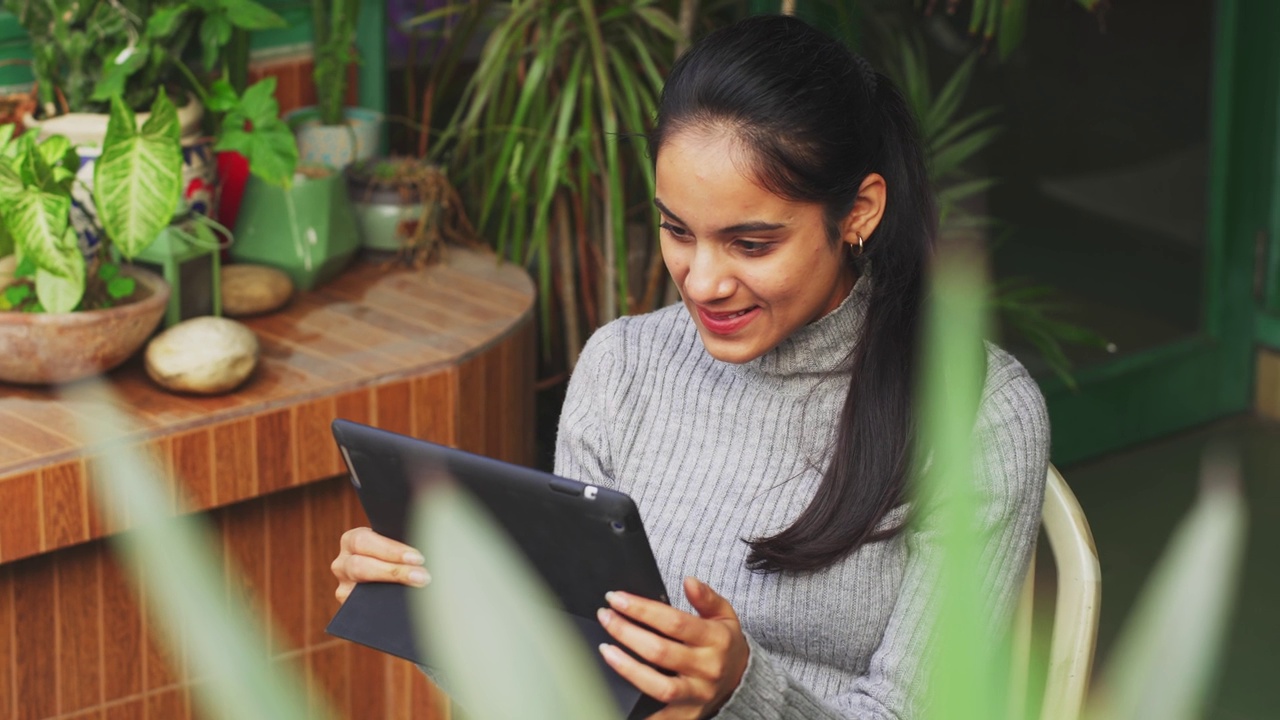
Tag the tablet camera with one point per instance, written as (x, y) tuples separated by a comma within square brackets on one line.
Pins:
[(618, 526)]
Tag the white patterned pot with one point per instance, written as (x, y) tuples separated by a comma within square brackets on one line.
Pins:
[(336, 146), (86, 132)]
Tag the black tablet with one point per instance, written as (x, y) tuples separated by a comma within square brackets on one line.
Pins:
[(581, 539)]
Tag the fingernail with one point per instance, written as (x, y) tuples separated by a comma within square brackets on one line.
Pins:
[(419, 577), (616, 599), (605, 616), (608, 650), (413, 557)]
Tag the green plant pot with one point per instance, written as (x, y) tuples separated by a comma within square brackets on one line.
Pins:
[(308, 231), (188, 257)]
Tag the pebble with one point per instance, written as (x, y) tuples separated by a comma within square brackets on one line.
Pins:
[(253, 289), (204, 355)]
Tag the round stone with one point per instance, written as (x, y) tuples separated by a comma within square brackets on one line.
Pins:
[(253, 289), (203, 355)]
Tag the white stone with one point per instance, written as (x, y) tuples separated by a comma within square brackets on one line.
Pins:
[(204, 355)]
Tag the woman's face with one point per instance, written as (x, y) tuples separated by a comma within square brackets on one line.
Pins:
[(751, 267)]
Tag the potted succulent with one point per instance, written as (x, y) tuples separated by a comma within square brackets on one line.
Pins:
[(406, 206), (331, 134), (65, 315)]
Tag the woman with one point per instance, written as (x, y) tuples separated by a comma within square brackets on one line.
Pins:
[(764, 429)]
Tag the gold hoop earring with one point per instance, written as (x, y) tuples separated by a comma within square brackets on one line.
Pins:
[(860, 241)]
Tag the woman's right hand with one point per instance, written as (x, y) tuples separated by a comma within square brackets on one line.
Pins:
[(367, 556)]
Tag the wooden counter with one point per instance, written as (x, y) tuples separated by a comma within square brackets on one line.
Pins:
[(446, 354)]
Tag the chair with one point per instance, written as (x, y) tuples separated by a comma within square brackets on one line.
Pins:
[(1075, 616)]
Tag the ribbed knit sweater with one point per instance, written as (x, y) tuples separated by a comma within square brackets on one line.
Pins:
[(714, 452)]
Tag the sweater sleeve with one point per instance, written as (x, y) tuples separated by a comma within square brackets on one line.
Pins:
[(1013, 454), (583, 452)]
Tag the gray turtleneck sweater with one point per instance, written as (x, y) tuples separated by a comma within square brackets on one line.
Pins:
[(714, 452)]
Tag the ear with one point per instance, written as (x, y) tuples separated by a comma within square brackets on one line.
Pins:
[(867, 210)]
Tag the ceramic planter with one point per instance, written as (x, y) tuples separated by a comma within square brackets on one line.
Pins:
[(387, 212), (86, 132), (189, 256), (308, 231), (44, 348), (336, 146)]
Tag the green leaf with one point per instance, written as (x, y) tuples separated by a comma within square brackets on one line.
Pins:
[(270, 148), (215, 31), (1167, 654), (122, 124), (11, 186), (59, 294), (121, 287), (38, 221), (258, 105), (163, 121), (137, 180), (492, 626), (1013, 26), (222, 97), (6, 134), (166, 20), (15, 295), (117, 69), (250, 15), (108, 270), (26, 267)]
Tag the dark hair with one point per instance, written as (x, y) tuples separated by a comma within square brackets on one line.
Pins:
[(816, 119)]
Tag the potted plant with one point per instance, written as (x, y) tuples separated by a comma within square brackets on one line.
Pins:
[(331, 134), (293, 217), (406, 206), (85, 54), (66, 315)]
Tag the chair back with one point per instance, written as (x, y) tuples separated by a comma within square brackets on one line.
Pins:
[(1075, 615)]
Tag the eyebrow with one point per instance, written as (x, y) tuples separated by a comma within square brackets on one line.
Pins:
[(746, 227)]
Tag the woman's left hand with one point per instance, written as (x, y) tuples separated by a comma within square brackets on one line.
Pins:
[(707, 652)]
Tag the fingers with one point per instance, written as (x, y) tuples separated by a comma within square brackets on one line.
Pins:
[(663, 688), (367, 556), (708, 602), (364, 541), (656, 649), (665, 619)]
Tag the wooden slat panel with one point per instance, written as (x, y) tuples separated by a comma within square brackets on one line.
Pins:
[(367, 676), (121, 633), (80, 628), (287, 569), (394, 407), (328, 684), (168, 704), (64, 503), (21, 533), (244, 537), (130, 710), (162, 653), (8, 647), (35, 614), (234, 466), (435, 407), (273, 438), (356, 406), (317, 452), (325, 503), (193, 466)]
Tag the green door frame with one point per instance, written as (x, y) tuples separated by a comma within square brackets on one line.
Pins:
[(1145, 395)]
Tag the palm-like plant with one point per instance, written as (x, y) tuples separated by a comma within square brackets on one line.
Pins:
[(541, 143)]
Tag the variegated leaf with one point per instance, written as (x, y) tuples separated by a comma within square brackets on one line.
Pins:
[(59, 294), (10, 188), (137, 180), (38, 221)]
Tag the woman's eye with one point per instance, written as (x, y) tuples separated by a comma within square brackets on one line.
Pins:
[(674, 230), (753, 247)]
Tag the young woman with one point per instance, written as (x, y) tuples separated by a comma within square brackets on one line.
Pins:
[(764, 428)]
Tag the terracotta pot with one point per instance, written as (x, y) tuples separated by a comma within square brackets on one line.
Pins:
[(43, 348)]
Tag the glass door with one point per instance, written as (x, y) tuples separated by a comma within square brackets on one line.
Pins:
[(1136, 168)]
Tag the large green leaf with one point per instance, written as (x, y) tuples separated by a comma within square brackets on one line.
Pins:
[(38, 222), (58, 294), (270, 148), (250, 15), (137, 180)]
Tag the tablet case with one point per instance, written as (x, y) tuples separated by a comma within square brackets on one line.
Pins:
[(581, 539)]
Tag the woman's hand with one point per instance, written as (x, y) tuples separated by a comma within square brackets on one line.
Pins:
[(367, 556), (708, 652)]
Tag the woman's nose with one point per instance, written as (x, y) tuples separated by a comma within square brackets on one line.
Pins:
[(710, 277)]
